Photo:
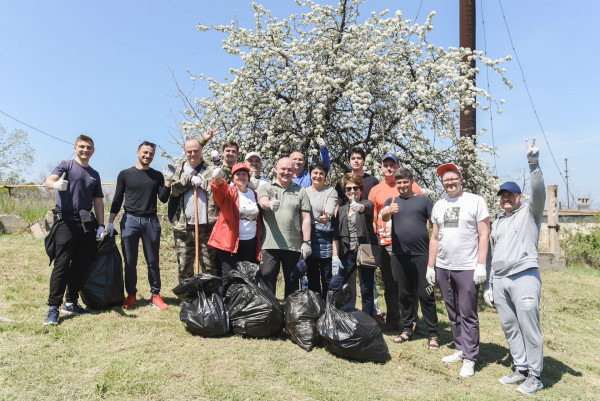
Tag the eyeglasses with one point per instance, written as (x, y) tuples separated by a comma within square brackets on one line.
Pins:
[(450, 180), (351, 189)]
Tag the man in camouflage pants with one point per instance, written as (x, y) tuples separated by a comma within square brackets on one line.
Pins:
[(190, 173)]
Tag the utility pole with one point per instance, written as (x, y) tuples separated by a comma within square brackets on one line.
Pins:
[(567, 180), (467, 40)]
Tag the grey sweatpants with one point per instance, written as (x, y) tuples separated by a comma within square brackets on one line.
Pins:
[(517, 299)]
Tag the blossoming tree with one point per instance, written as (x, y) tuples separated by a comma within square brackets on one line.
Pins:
[(378, 84)]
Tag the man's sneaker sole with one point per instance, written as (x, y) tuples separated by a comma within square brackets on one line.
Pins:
[(50, 323), (512, 379)]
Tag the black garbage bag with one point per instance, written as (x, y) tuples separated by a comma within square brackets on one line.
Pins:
[(353, 335), (203, 310), (253, 311), (103, 285), (302, 310)]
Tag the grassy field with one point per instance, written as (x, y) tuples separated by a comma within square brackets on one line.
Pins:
[(146, 354)]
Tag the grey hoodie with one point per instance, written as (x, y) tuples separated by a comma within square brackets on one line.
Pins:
[(514, 239)]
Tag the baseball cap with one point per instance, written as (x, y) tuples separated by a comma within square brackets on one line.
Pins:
[(239, 166), (511, 187), (446, 167), (249, 155), (390, 155)]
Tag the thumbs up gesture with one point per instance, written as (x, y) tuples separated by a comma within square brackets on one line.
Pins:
[(324, 217), (393, 207), (274, 202), (61, 184), (355, 206), (533, 153)]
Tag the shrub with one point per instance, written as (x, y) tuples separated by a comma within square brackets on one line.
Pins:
[(582, 244)]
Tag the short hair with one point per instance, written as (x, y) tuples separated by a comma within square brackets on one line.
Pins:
[(354, 178), (84, 138), (359, 151), (296, 151), (192, 140), (451, 171), (321, 165), (403, 173), (230, 144), (146, 143)]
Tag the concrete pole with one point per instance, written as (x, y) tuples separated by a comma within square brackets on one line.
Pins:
[(553, 226)]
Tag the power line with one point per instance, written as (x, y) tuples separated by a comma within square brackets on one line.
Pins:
[(531, 100), (487, 74), (38, 130)]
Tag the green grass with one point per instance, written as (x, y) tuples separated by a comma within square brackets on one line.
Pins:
[(146, 354), (27, 203)]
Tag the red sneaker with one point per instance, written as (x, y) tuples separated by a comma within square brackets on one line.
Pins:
[(158, 302), (129, 302)]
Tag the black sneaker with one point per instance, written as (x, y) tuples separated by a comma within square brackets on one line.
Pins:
[(52, 316), (73, 308)]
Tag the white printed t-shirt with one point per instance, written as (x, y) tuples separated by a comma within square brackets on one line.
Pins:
[(457, 222)]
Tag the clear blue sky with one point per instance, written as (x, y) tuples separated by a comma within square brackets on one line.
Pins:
[(103, 68)]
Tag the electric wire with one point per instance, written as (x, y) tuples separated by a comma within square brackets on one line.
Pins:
[(531, 101), (487, 74), (38, 130)]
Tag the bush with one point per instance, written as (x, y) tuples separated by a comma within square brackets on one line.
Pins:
[(582, 244), (28, 203)]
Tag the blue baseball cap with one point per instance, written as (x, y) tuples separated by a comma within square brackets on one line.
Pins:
[(511, 187), (392, 156)]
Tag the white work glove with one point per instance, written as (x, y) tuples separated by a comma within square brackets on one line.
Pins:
[(110, 228), (218, 173), (355, 206), (306, 250), (430, 275), (274, 204), (99, 233), (321, 142), (479, 274), (488, 295), (169, 172), (61, 184), (196, 181), (533, 153), (336, 265)]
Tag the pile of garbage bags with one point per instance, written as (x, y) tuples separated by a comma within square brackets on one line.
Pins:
[(203, 310)]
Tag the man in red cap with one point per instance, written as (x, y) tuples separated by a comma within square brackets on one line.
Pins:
[(458, 248)]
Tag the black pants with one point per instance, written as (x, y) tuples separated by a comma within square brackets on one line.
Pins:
[(246, 252), (272, 260), (318, 273), (74, 253), (409, 273)]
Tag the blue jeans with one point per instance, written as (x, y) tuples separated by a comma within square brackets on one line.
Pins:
[(367, 280), (134, 228)]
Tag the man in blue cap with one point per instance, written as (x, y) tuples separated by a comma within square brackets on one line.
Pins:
[(514, 285)]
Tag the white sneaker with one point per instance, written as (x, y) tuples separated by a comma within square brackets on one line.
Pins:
[(456, 357), (468, 368)]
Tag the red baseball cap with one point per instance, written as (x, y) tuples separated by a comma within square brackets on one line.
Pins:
[(446, 167), (240, 166)]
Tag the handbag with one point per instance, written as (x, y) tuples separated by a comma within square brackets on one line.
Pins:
[(368, 255)]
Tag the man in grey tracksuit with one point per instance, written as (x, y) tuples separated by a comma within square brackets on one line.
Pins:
[(514, 284)]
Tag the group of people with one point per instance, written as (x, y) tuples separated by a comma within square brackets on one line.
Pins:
[(232, 213)]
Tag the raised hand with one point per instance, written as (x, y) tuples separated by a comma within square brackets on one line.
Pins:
[(208, 135), (533, 153), (393, 207), (324, 217), (274, 202), (321, 142), (61, 184), (355, 206), (218, 173)]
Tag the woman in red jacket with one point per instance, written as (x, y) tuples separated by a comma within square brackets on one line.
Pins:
[(236, 234)]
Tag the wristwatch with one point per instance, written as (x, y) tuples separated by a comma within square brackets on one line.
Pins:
[(307, 242)]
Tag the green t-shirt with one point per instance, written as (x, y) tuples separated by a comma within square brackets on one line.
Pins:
[(283, 228)]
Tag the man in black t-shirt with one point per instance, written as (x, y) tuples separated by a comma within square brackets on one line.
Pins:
[(140, 186), (357, 164), (410, 214)]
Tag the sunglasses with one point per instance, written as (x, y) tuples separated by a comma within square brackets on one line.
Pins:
[(350, 189), (146, 143)]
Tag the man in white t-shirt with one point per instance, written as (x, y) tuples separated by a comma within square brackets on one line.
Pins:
[(458, 248)]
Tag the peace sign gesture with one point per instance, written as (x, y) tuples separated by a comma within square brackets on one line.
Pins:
[(533, 153)]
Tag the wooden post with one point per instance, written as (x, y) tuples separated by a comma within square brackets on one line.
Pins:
[(553, 225)]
